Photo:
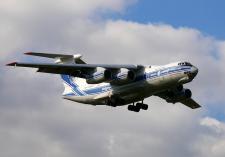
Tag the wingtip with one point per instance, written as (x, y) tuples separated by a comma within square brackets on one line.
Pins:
[(28, 53), (11, 64)]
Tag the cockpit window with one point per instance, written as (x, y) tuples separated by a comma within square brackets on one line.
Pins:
[(185, 64), (188, 64)]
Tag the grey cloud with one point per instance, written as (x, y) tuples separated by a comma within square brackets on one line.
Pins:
[(42, 24), (211, 139)]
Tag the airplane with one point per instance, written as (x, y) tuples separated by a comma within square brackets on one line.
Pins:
[(118, 84)]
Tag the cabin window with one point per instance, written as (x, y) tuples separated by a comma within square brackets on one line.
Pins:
[(185, 64)]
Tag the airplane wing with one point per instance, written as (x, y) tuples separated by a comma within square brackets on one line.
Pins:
[(191, 103), (187, 102), (70, 69)]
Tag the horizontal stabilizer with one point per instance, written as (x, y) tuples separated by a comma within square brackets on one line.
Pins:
[(63, 57), (48, 55)]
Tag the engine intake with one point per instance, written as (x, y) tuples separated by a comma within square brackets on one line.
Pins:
[(179, 96), (187, 93), (114, 77), (101, 75), (123, 76)]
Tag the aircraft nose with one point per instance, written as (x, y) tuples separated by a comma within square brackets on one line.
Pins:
[(193, 72)]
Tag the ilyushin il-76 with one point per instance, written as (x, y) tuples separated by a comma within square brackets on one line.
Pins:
[(118, 85)]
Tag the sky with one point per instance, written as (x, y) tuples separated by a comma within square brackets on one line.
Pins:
[(205, 15), (36, 121)]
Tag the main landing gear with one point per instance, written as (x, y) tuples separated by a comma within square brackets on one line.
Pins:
[(137, 107)]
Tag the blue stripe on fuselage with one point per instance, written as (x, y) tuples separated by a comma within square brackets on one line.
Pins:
[(68, 80), (146, 76)]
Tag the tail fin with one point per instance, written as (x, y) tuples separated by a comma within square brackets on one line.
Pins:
[(71, 87)]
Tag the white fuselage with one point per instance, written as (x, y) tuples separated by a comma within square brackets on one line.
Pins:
[(152, 80)]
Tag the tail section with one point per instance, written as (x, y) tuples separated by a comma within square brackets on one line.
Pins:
[(72, 86), (60, 58)]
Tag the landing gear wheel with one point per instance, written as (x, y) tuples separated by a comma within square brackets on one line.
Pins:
[(139, 105), (133, 108), (142, 106)]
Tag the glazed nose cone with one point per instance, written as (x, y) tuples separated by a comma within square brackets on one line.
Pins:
[(193, 72)]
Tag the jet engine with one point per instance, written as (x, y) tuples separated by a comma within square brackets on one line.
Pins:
[(123, 76), (99, 76), (178, 96)]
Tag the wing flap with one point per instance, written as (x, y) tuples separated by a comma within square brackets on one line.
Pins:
[(58, 71), (191, 103), (66, 69)]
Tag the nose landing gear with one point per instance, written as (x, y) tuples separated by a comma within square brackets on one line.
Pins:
[(137, 107)]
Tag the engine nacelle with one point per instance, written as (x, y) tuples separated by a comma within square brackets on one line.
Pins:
[(99, 76), (123, 76), (179, 96)]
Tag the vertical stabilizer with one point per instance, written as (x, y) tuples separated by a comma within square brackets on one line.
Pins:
[(71, 86)]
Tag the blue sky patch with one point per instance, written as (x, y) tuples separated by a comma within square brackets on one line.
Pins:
[(204, 15)]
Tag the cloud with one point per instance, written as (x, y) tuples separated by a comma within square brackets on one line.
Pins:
[(27, 21), (35, 121), (211, 141), (213, 124), (74, 7)]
